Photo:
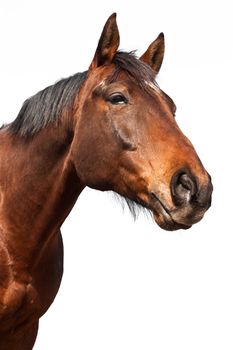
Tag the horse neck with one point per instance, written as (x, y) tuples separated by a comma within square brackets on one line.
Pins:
[(41, 187)]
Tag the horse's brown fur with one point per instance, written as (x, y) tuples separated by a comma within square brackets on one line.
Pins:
[(121, 135)]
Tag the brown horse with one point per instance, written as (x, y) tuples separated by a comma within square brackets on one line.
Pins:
[(110, 128)]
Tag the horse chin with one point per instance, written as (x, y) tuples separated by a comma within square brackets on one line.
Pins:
[(163, 218), (169, 224)]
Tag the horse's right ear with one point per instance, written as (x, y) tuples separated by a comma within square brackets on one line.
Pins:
[(108, 43)]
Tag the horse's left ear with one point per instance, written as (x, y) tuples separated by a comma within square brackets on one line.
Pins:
[(154, 54), (108, 43)]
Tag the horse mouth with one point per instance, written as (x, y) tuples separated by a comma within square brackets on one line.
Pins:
[(163, 217)]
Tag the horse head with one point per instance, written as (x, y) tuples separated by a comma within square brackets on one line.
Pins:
[(127, 138)]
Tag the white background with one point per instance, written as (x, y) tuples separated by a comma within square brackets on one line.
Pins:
[(130, 285)]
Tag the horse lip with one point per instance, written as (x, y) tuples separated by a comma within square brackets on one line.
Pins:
[(167, 222), (157, 199)]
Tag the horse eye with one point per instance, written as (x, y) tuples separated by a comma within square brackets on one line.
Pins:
[(117, 99)]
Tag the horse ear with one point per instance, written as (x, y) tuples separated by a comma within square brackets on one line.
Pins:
[(154, 54), (108, 43)]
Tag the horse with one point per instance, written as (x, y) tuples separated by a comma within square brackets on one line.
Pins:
[(110, 128)]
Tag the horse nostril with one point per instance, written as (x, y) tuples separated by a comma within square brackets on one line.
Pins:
[(183, 188), (187, 183)]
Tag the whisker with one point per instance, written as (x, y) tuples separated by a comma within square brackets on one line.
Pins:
[(135, 207)]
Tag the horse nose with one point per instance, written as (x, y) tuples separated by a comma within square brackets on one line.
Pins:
[(185, 189)]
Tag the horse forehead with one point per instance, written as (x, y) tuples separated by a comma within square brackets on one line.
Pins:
[(153, 86), (104, 82), (162, 99), (157, 93)]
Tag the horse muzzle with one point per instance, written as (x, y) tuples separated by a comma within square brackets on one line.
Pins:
[(191, 199)]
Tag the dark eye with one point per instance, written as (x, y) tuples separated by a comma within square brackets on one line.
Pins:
[(117, 99)]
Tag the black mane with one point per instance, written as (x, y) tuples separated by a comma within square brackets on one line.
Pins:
[(47, 105), (137, 70)]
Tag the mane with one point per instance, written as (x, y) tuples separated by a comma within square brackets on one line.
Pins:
[(136, 70), (47, 105)]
